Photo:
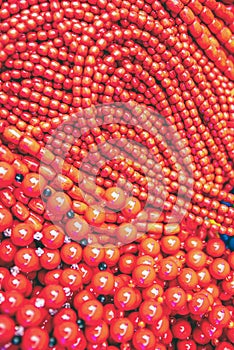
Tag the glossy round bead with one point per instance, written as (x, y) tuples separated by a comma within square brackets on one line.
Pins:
[(97, 334), (33, 184), (152, 292), (143, 275), (64, 314), (35, 338), (7, 174), (215, 247), (126, 263), (7, 326), (188, 279), (219, 268), (219, 316), (6, 219), (150, 246), (71, 253), (131, 208), (170, 244), (80, 342), (150, 311), (59, 203), (94, 216), (103, 282), (175, 298), (54, 296), (27, 260), (22, 235), (168, 270), (181, 329), (29, 316), (71, 278), (186, 344), (126, 233), (50, 259), (125, 298), (161, 326), (196, 259), (12, 301), (144, 339), (115, 198), (121, 330), (82, 297), (77, 228), (91, 312), (66, 333), (199, 304), (93, 255), (112, 255), (53, 237)]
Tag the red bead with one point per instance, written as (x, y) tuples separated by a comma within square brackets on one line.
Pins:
[(35, 338), (7, 326), (121, 330), (7, 174)]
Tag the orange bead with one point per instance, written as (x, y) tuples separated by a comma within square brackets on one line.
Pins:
[(219, 268), (79, 343), (22, 235), (170, 244), (7, 174), (150, 311), (33, 184), (77, 228), (219, 316), (150, 247), (127, 263), (35, 338), (53, 237), (193, 243), (132, 208), (71, 278), (93, 255), (215, 247), (175, 298), (152, 292), (196, 259), (112, 255), (7, 329), (82, 297), (103, 282), (66, 333), (59, 203), (29, 315), (168, 269), (144, 339), (126, 233), (125, 298), (54, 296), (188, 279), (50, 259), (91, 312), (12, 301), (204, 277), (115, 198), (71, 253), (199, 304), (145, 260), (27, 260), (97, 334), (6, 219), (121, 330), (160, 326), (143, 275), (94, 215)]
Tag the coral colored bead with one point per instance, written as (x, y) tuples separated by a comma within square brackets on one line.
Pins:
[(186, 344), (35, 338), (188, 279), (127, 263), (121, 330), (168, 269), (71, 253), (66, 333), (125, 298), (209, 330), (50, 259), (54, 296), (59, 203), (144, 339), (94, 216), (204, 277), (170, 244), (19, 283), (103, 282), (33, 184), (6, 219), (219, 316), (175, 298), (150, 246), (7, 326), (29, 316), (81, 297), (160, 326), (53, 237), (143, 275), (215, 247), (150, 311), (7, 251), (22, 235), (27, 260), (109, 313), (112, 255), (12, 301), (64, 315), (97, 334), (196, 259), (7, 174), (91, 312), (115, 198), (199, 304), (52, 277), (77, 228), (71, 278), (181, 329), (131, 208), (152, 292), (79, 343), (93, 255), (219, 268), (126, 233)]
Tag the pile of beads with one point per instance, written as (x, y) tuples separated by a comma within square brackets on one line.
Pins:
[(122, 275)]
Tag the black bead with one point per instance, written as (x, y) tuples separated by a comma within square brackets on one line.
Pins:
[(83, 242), (101, 298), (52, 342), (19, 177), (47, 192), (80, 323), (102, 266), (16, 340), (70, 214)]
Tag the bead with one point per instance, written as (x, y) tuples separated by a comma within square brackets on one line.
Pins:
[(219, 268), (6, 219), (144, 338), (143, 275), (32, 184), (66, 333), (91, 312), (53, 237), (22, 235), (34, 336), (116, 330), (77, 228), (7, 174), (150, 311), (6, 328), (115, 198), (131, 208), (54, 296), (97, 334)]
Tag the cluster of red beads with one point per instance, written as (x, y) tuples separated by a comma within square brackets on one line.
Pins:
[(72, 275)]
